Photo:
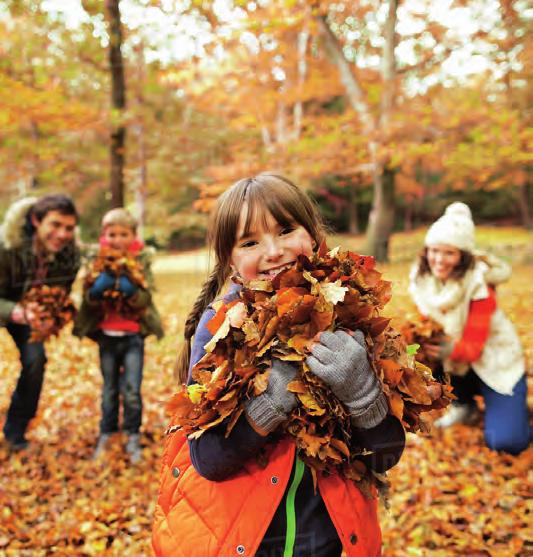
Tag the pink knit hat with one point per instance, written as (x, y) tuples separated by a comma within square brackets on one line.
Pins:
[(455, 228)]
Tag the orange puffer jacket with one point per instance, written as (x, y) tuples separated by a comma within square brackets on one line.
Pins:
[(195, 517)]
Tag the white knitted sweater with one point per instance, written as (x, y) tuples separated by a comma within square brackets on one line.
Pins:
[(501, 364)]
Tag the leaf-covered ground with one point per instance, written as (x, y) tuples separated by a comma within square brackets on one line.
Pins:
[(451, 495)]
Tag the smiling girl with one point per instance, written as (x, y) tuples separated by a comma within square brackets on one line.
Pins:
[(455, 285), (248, 493)]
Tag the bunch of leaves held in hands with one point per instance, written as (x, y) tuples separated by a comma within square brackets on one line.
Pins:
[(117, 264), (423, 333), (52, 308), (280, 319)]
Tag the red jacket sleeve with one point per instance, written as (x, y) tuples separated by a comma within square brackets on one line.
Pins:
[(470, 347)]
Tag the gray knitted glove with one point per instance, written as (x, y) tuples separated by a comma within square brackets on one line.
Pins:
[(269, 409), (340, 360)]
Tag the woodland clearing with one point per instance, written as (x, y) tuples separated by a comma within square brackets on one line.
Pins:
[(450, 495)]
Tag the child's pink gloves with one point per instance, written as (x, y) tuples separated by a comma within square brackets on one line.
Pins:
[(271, 408), (340, 360)]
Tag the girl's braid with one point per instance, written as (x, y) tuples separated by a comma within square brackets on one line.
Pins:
[(210, 289)]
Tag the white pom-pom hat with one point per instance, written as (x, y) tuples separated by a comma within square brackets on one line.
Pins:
[(455, 228)]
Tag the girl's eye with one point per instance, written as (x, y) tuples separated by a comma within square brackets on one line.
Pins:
[(248, 244), (287, 230)]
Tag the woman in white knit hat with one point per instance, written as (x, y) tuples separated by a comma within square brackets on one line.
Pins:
[(455, 285)]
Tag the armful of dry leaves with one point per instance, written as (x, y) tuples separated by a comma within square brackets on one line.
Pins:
[(52, 308), (117, 264), (422, 334), (279, 319)]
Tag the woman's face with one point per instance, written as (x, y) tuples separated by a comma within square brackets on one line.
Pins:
[(442, 260), (268, 247)]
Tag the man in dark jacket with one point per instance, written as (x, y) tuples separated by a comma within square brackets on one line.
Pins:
[(37, 247)]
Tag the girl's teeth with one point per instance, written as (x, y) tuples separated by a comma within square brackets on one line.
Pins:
[(272, 273)]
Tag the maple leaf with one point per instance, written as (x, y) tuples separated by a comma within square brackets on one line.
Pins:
[(280, 319), (333, 293)]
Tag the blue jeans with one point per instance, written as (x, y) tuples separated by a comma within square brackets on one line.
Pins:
[(506, 416), (121, 362), (25, 398)]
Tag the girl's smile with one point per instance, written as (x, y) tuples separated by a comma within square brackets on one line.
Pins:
[(268, 247)]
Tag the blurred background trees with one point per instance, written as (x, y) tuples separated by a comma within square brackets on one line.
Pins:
[(384, 110)]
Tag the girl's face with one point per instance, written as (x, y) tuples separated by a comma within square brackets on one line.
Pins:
[(268, 247), (442, 260)]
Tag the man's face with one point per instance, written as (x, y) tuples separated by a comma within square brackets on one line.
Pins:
[(55, 231)]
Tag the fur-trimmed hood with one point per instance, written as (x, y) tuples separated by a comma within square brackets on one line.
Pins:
[(12, 229), (18, 262)]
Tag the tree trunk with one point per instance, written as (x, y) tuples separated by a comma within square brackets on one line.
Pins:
[(118, 97), (353, 89), (524, 203), (381, 219), (281, 123), (140, 192), (142, 184), (408, 216), (303, 39), (282, 135), (353, 219), (266, 137), (382, 213)]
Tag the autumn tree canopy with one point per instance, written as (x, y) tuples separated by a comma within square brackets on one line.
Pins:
[(398, 103)]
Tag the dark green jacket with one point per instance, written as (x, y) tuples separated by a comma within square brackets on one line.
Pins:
[(17, 269), (91, 312)]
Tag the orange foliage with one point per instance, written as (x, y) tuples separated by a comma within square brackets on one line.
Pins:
[(280, 319), (53, 308), (117, 264)]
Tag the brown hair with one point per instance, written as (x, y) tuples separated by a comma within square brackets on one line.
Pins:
[(266, 192), (466, 263), (54, 202)]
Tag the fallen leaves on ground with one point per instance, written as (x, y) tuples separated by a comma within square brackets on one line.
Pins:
[(453, 496), (450, 493)]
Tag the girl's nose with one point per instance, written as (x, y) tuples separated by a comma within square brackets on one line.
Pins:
[(273, 249)]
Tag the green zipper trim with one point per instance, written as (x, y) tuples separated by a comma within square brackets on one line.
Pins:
[(290, 538)]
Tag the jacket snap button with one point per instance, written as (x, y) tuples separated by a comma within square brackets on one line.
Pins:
[(274, 480), (353, 539), (175, 471), (240, 549)]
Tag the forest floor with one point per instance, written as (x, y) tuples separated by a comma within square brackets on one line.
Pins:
[(450, 495)]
